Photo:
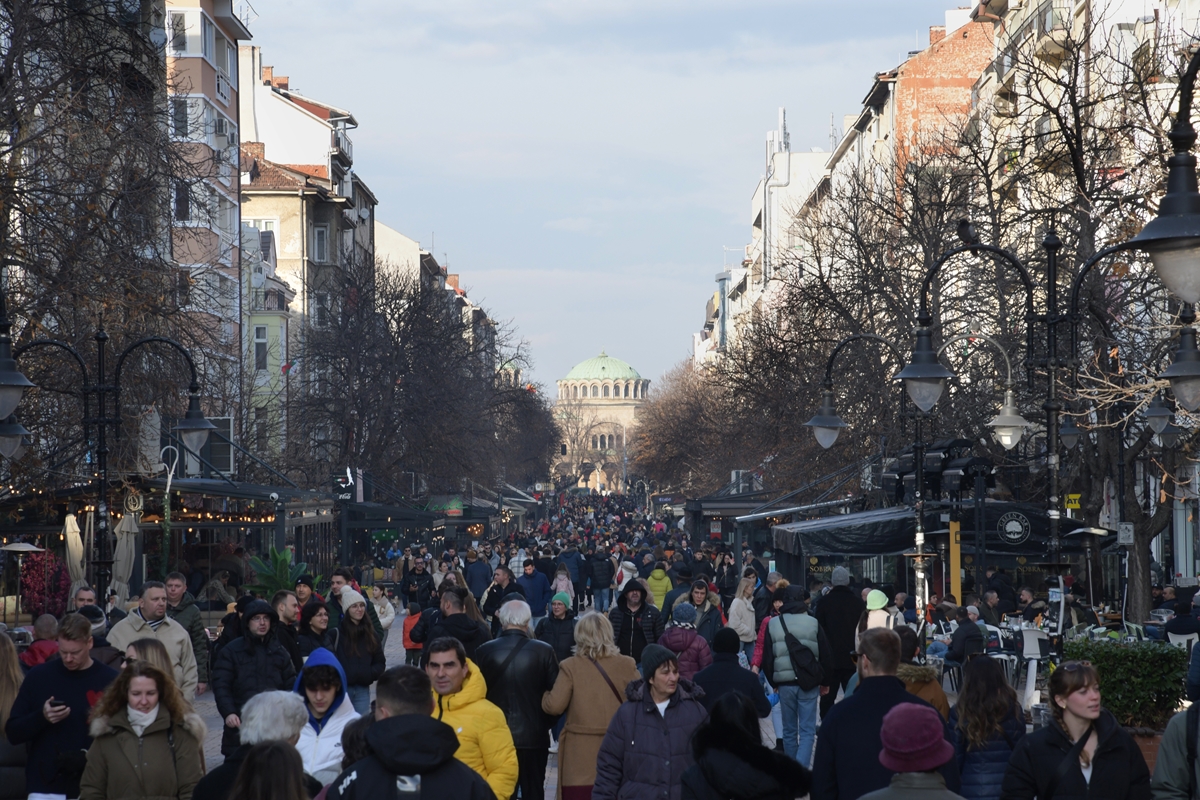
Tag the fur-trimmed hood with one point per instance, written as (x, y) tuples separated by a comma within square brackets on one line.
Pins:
[(745, 770), (916, 673), (192, 722)]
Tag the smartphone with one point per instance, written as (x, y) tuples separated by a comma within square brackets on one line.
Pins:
[(58, 704)]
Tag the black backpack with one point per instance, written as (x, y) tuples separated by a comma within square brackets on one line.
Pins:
[(809, 674)]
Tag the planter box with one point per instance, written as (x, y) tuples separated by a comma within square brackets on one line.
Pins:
[(1148, 744)]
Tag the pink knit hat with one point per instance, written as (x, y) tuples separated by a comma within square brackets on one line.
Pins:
[(914, 740)]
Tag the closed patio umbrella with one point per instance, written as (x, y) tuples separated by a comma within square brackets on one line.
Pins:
[(126, 532), (74, 554)]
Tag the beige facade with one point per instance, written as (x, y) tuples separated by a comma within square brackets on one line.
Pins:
[(597, 411)]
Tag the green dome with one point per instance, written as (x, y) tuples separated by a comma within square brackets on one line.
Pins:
[(603, 368)]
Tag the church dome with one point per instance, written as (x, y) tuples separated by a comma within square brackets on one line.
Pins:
[(603, 368)]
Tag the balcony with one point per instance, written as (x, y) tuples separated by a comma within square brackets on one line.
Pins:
[(268, 300), (1052, 25), (341, 146)]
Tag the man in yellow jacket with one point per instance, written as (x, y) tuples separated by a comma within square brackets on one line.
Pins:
[(460, 700)]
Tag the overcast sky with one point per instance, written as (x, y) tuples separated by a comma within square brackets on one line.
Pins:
[(582, 163)]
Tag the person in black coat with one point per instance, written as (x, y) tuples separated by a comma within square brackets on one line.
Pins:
[(314, 629), (1184, 623), (254, 662), (558, 629), (1115, 763), (987, 723), (406, 741), (732, 764), (726, 675), (359, 650), (838, 614), (518, 670), (504, 584), (966, 640), (449, 619), (417, 585)]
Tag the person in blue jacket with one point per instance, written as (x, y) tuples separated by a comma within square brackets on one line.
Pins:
[(322, 685), (987, 723), (537, 590)]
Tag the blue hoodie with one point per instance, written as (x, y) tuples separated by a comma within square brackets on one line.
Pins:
[(321, 657)]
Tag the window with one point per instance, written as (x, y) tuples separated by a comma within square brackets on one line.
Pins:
[(627, 390), (595, 442), (322, 310), (635, 391), (179, 117), (606, 391), (575, 392), (183, 203), (261, 224), (321, 244), (208, 40), (177, 31), (260, 347), (595, 391)]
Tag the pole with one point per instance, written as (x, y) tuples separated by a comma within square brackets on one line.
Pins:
[(1052, 244), (922, 587), (103, 558), (980, 534)]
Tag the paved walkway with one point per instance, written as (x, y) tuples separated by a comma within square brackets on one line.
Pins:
[(206, 706)]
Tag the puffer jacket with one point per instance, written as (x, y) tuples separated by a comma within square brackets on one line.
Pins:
[(982, 768), (320, 743), (659, 584), (558, 633), (573, 559), (805, 628), (603, 571), (163, 763), (652, 620), (1119, 771), (741, 619), (729, 769), (644, 753), (709, 616), (250, 665), (694, 653), (518, 690), (385, 611), (187, 614), (484, 741)]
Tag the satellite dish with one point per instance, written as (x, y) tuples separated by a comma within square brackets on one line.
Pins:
[(364, 213), (258, 277)]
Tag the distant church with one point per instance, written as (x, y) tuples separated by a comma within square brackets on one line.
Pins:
[(597, 407)]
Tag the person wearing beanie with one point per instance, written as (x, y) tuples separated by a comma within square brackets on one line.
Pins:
[(306, 590), (102, 650), (838, 614), (845, 766), (876, 614), (682, 639), (558, 629), (914, 746), (647, 746), (253, 663), (726, 675), (359, 649)]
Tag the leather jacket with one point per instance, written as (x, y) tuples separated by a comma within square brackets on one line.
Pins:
[(518, 691)]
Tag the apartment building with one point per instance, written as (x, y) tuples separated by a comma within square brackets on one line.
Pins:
[(268, 356), (404, 257)]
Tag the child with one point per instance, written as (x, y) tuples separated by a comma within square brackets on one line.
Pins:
[(412, 650)]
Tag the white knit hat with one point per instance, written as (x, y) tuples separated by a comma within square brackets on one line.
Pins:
[(349, 597)]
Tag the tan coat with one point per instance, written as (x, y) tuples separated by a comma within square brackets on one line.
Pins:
[(584, 696), (174, 637), (120, 765)]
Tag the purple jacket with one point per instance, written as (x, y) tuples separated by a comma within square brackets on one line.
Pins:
[(644, 754), (694, 653)]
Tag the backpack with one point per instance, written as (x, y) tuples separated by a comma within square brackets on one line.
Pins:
[(809, 674)]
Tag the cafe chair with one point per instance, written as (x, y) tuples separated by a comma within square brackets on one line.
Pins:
[(1035, 651), (1184, 641), (1135, 630)]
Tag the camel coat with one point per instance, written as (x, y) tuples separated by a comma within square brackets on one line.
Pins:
[(583, 695)]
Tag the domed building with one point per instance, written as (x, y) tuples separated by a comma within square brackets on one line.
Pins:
[(597, 409)]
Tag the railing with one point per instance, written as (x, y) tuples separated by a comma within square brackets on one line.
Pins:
[(268, 300), (340, 141), (222, 88)]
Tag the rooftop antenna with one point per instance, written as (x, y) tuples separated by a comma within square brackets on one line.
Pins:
[(833, 135)]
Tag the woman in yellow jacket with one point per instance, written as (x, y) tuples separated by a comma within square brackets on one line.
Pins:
[(460, 700), (660, 584)]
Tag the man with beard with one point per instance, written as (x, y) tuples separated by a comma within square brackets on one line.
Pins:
[(418, 585)]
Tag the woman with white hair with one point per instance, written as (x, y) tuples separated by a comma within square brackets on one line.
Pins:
[(589, 690), (266, 717)]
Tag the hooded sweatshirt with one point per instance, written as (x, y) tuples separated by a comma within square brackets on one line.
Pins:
[(320, 742)]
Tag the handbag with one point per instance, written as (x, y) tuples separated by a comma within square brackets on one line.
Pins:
[(608, 680)]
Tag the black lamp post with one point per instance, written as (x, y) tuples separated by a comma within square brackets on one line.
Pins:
[(192, 430)]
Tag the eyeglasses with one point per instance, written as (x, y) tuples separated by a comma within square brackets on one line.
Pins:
[(854, 656)]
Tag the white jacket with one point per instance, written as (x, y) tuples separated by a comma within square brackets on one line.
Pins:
[(385, 611), (741, 619), (322, 752)]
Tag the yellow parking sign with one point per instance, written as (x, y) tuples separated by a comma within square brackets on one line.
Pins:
[(1073, 501)]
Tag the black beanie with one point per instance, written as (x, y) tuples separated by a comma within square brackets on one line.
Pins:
[(653, 657), (726, 640)]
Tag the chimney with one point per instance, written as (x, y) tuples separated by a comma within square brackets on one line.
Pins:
[(254, 149), (281, 82), (936, 33), (452, 281), (267, 74)]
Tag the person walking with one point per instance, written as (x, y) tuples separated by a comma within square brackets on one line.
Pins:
[(635, 624), (384, 610), (562, 583), (478, 574), (44, 644), (741, 615), (460, 700), (518, 671), (1083, 752), (987, 722), (682, 639), (731, 763), (407, 747), (707, 603), (150, 621), (558, 629), (726, 675), (845, 763), (799, 677), (50, 713), (266, 717), (12, 756), (252, 663), (272, 770), (287, 609), (838, 614), (604, 572), (920, 679), (323, 687), (536, 587), (359, 650), (181, 607), (647, 746), (503, 585), (314, 629), (147, 741), (450, 618), (914, 747), (588, 692), (659, 585)]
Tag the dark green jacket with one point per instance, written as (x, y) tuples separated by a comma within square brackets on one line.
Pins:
[(187, 614)]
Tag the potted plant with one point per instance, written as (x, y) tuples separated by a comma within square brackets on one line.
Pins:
[(1141, 684)]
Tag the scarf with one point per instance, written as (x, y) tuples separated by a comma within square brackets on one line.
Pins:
[(140, 720), (152, 623), (687, 625)]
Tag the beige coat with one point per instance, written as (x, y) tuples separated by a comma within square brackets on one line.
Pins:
[(174, 637), (584, 696), (741, 619)]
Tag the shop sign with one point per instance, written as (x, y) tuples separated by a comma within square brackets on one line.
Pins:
[(447, 505), (1013, 527)]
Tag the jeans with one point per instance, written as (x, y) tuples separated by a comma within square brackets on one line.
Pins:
[(602, 598), (748, 649), (937, 649), (799, 710), (360, 698)]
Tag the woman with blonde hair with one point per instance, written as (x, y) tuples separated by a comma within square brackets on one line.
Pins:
[(384, 610), (589, 690), (151, 651), (741, 615), (12, 756), (146, 740)]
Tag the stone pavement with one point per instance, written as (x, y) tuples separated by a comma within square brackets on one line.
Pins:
[(393, 649)]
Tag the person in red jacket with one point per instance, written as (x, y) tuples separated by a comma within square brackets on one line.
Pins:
[(45, 642), (682, 639)]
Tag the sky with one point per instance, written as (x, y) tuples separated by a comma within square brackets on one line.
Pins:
[(583, 164)]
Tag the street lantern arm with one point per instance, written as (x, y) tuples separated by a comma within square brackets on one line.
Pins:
[(83, 371), (1008, 381), (193, 388), (925, 319), (828, 384), (1073, 314)]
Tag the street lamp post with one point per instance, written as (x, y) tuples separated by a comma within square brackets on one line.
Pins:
[(192, 430)]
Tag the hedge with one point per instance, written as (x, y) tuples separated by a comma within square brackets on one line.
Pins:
[(1141, 684)]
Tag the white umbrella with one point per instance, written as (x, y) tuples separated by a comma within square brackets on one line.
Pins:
[(74, 553), (126, 532)]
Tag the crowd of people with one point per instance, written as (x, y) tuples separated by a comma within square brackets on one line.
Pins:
[(653, 669)]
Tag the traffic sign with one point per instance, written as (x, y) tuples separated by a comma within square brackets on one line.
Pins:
[(1073, 501)]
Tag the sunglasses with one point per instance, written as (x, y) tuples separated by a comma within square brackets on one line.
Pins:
[(854, 655), (127, 659)]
